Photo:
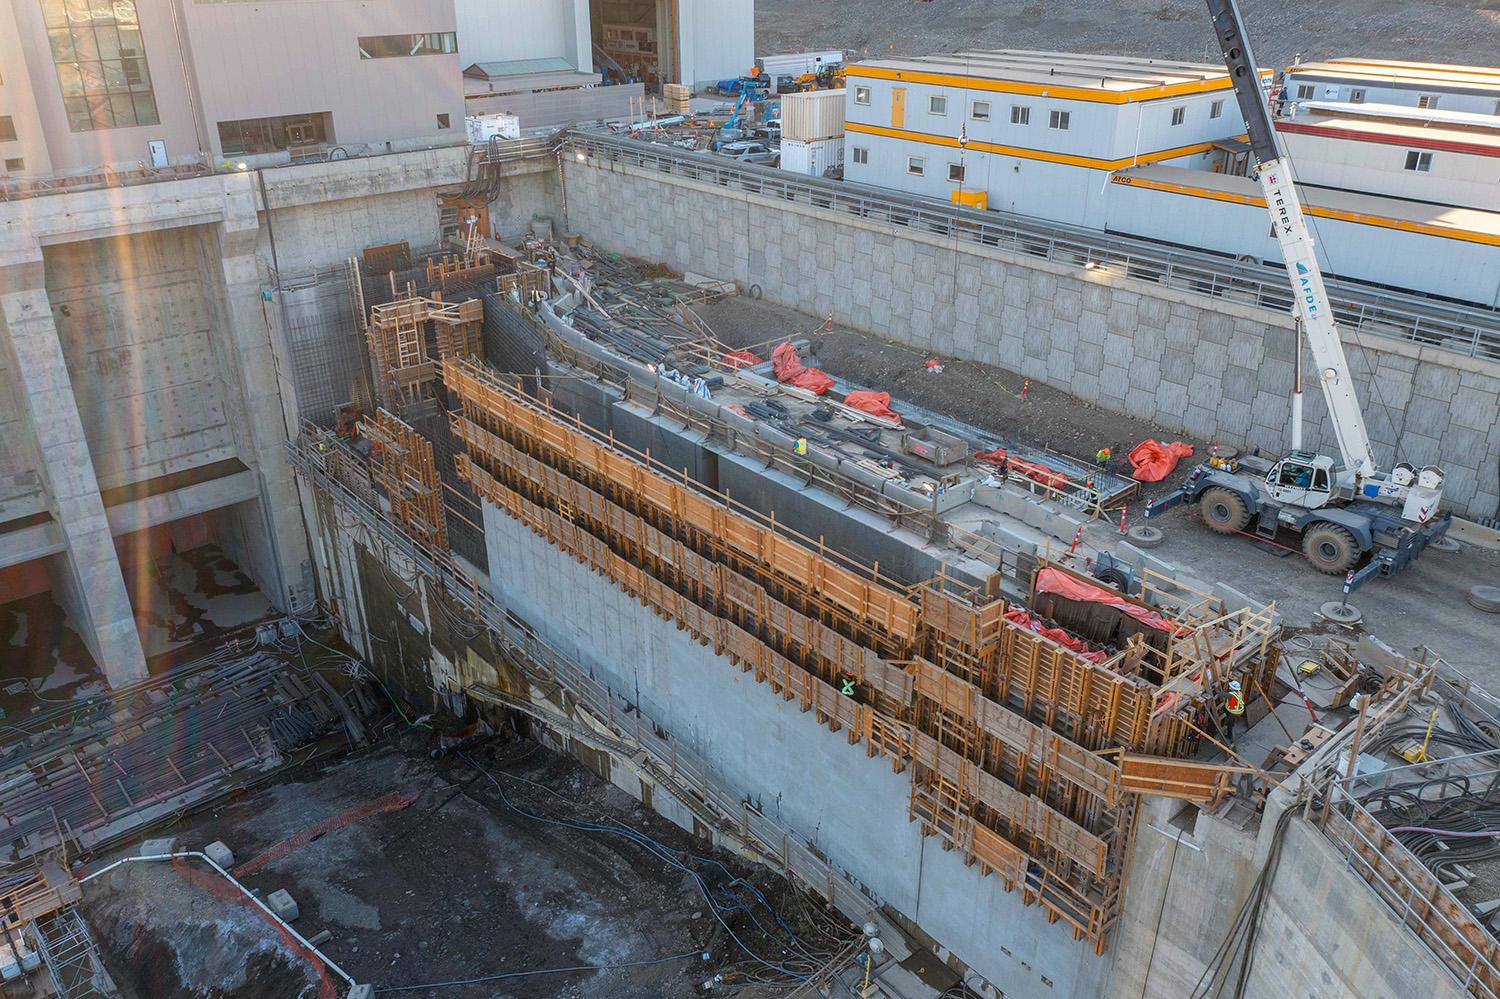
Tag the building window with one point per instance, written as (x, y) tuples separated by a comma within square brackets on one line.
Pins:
[(101, 64), (862, 155), (442, 121), (862, 96), (916, 166), (15, 166), (249, 136), (1356, 96), (7, 128), (1306, 91), (937, 105), (1427, 101), (1059, 120), (1179, 115), (1216, 109), (1020, 114), (396, 46), (1418, 162), (955, 173), (981, 111)]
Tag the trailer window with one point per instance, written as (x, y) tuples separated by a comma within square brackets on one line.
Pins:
[(1418, 161), (862, 95)]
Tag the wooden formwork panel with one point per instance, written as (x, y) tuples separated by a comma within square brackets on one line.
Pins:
[(1201, 782), (868, 600), (958, 618)]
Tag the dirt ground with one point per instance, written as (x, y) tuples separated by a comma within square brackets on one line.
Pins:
[(979, 394), (1453, 31), (456, 885)]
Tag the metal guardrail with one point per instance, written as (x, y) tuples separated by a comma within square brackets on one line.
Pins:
[(1470, 330), (686, 767), (1416, 898)]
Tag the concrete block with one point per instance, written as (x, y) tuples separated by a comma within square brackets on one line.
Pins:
[(362, 992), (281, 902), (1092, 327), (1123, 318), (1088, 357), (1436, 381), (1150, 344), (158, 847), (1473, 409), (219, 854), (1068, 305), (1428, 417), (1239, 383)]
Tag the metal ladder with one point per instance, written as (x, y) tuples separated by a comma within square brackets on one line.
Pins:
[(68, 950)]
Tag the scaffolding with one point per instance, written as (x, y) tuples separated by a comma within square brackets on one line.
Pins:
[(1005, 733), (72, 958), (408, 335), (401, 463)]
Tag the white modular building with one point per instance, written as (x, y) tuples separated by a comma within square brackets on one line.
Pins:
[(1424, 85), (1039, 133)]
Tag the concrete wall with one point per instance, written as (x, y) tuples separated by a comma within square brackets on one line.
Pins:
[(138, 316), (502, 30), (852, 807), (718, 39), (1206, 366)]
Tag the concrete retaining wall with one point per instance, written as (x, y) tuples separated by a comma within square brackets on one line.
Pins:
[(1210, 367)]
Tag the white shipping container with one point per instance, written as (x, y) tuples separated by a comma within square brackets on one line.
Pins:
[(483, 127), (797, 63), (817, 114), (811, 159)]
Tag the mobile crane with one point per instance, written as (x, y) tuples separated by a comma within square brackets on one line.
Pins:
[(1341, 511)]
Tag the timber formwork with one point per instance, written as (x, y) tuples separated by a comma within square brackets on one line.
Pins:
[(401, 463), (408, 336), (1008, 737)]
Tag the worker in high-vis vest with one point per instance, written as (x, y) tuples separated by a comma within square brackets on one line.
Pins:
[(1234, 707)]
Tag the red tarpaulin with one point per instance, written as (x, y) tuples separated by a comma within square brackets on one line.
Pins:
[(1068, 641), (874, 403), (1155, 460), (1033, 470), (742, 359), (791, 371), (1060, 583)]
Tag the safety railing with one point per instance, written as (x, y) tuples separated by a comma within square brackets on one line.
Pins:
[(685, 767), (1472, 330), (1412, 893)]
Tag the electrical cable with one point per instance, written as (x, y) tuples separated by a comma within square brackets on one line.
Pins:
[(543, 971), (667, 855)]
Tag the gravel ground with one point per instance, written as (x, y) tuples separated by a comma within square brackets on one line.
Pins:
[(1462, 31)]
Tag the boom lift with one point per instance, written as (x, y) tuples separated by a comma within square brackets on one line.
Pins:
[(1341, 511)]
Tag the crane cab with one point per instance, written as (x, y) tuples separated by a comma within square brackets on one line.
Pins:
[(1302, 479)]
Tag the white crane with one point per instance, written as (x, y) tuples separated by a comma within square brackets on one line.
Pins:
[(1343, 510)]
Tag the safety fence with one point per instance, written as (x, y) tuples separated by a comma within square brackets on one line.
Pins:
[(1471, 330)]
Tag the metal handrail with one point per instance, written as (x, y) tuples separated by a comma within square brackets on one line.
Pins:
[(1468, 964), (1472, 330)]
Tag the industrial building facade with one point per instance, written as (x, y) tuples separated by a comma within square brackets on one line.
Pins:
[(1403, 194), (169, 85)]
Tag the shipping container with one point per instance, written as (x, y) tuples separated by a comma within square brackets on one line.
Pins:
[(815, 115), (811, 159), (483, 127), (797, 63)]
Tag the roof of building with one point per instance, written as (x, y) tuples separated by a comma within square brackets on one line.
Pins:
[(518, 67), (1076, 75), (1403, 112), (1476, 141), (1468, 224), (1406, 75)]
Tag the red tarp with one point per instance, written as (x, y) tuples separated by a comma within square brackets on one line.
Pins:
[(1068, 641), (791, 371), (874, 403), (742, 359), (1155, 460), (1060, 583), (1033, 470)]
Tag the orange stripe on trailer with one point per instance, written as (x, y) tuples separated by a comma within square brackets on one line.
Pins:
[(1337, 214), (1025, 152)]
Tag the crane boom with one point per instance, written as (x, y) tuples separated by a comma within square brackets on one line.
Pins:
[(1297, 247)]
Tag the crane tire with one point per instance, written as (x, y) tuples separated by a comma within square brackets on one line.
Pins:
[(1485, 598), (1330, 549), (1224, 510)]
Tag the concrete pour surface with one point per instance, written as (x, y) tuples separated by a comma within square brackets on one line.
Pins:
[(453, 886), (1424, 605)]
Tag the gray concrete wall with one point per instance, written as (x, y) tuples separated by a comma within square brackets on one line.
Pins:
[(850, 806), (1210, 367)]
